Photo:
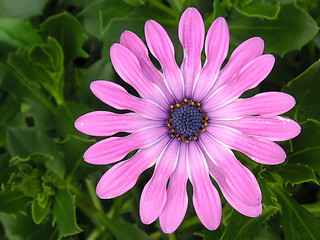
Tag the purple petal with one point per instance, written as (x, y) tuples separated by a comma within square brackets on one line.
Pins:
[(162, 49), (137, 47), (102, 123), (154, 194), (123, 176), (177, 197), (236, 179), (272, 128), (265, 104), (260, 150), (113, 149), (127, 66), (241, 56), (191, 35), (216, 47), (117, 97), (254, 73), (206, 199)]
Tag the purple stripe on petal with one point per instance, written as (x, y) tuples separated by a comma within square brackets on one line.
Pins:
[(191, 35), (127, 66), (117, 97), (241, 56), (206, 198), (177, 198), (113, 149), (230, 173), (154, 194), (254, 73), (123, 176), (216, 47), (103, 123), (264, 104), (260, 150), (137, 47), (162, 49), (272, 128)]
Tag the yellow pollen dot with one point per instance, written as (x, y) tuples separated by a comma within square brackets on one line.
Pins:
[(205, 124), (206, 118), (168, 124), (178, 104), (198, 104), (192, 103), (172, 106), (203, 129), (172, 135), (179, 138), (195, 138), (187, 141), (172, 129), (185, 100)]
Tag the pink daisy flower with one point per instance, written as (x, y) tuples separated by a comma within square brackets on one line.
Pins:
[(187, 122)]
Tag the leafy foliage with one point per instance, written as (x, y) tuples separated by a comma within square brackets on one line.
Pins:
[(50, 51)]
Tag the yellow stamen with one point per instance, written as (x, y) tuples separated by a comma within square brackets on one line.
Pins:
[(172, 135), (179, 138), (192, 103), (178, 104), (172, 129), (198, 104), (168, 124), (205, 124), (185, 100), (172, 106), (195, 138), (187, 141), (203, 129)]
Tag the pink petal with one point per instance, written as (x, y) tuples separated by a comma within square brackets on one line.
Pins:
[(154, 194), (117, 97), (241, 56), (206, 199), (103, 123), (113, 149), (123, 176), (260, 150), (162, 49), (230, 174), (272, 128), (254, 73), (127, 66), (177, 197), (191, 35), (137, 47), (216, 47), (265, 104)]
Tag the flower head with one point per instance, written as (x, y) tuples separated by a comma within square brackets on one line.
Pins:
[(187, 121)]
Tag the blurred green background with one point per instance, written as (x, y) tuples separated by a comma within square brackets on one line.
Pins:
[(50, 51)]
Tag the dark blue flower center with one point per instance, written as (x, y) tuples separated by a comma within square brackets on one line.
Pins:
[(186, 120)]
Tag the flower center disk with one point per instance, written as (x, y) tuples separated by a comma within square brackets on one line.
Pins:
[(186, 120)]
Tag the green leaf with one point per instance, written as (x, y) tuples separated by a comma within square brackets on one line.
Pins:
[(69, 33), (290, 31), (259, 9), (307, 146), (17, 33), (41, 65), (12, 202), (305, 89), (25, 142), (132, 232), (295, 174), (38, 212), (21, 9), (297, 222), (242, 227), (65, 214)]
